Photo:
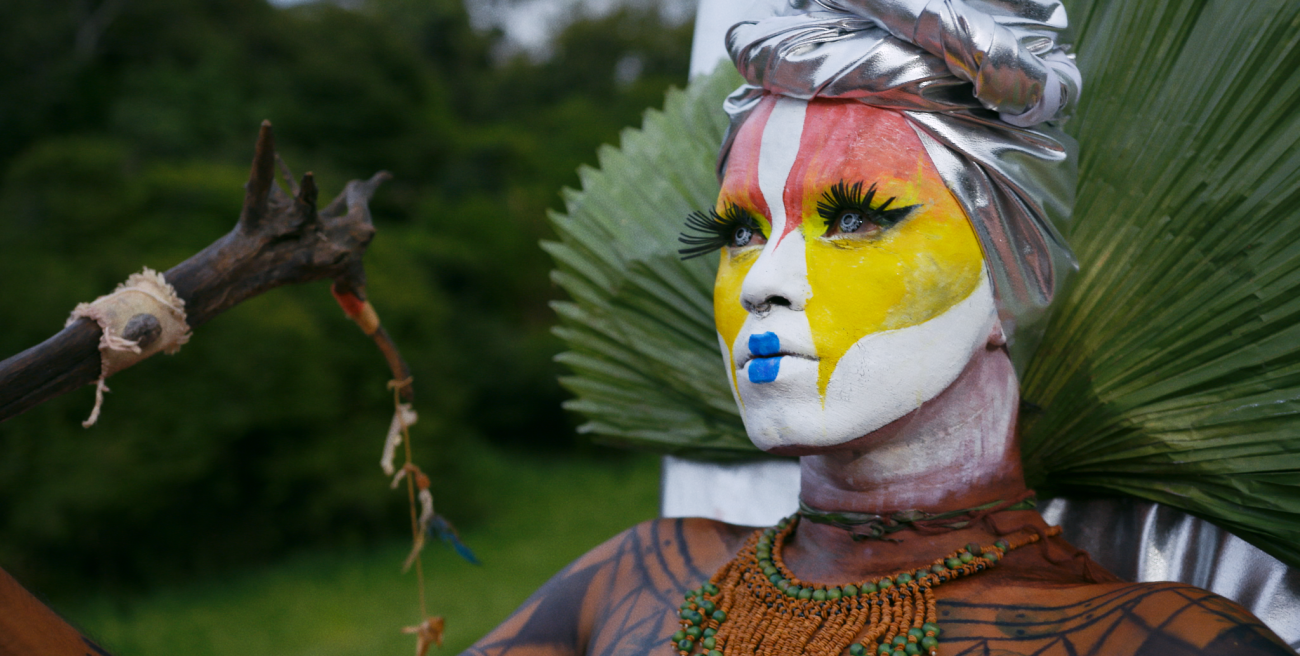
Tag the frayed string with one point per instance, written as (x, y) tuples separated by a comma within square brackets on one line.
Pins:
[(403, 417)]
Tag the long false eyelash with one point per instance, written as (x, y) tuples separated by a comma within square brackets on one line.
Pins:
[(843, 196), (706, 233)]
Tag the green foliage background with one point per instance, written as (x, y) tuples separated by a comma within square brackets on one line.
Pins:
[(128, 146)]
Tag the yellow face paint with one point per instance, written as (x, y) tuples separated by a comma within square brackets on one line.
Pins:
[(729, 313), (900, 277), (868, 282)]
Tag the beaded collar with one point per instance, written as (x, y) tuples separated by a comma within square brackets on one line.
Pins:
[(754, 605)]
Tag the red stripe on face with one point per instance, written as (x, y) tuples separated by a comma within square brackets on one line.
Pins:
[(740, 182), (847, 140)]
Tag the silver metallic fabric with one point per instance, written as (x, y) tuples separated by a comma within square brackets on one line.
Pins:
[(984, 84), (1145, 541)]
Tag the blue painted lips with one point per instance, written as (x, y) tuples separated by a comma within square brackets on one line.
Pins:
[(766, 363)]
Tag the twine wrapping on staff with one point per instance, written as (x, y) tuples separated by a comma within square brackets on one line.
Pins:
[(140, 318)]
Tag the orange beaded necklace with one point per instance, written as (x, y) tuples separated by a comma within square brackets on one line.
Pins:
[(754, 606)]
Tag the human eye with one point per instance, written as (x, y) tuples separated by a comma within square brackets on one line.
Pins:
[(847, 210), (735, 227)]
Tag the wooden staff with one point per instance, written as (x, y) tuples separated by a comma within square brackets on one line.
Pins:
[(280, 239)]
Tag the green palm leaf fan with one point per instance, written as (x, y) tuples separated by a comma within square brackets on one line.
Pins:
[(1171, 367)]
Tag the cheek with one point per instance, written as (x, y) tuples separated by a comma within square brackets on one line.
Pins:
[(728, 314), (915, 273)]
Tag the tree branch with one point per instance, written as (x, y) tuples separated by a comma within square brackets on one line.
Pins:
[(279, 240)]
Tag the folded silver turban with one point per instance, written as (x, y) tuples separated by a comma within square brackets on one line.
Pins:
[(983, 83)]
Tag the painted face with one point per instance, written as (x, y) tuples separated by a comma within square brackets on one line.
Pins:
[(851, 288)]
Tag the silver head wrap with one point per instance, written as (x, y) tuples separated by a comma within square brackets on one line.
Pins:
[(982, 82)]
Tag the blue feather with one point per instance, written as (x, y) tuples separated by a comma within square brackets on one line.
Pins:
[(443, 530)]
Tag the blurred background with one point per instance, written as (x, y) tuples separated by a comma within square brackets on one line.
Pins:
[(230, 500)]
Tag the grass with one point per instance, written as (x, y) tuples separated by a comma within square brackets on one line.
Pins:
[(355, 602)]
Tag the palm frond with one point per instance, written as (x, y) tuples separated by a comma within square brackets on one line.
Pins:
[(643, 350), (1171, 368)]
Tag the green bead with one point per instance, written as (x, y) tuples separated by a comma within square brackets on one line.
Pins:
[(966, 557), (833, 594), (931, 627), (710, 589), (904, 578), (938, 569), (819, 595), (693, 631), (708, 607), (685, 605), (856, 649), (709, 643), (769, 570), (911, 648), (885, 649), (806, 593), (899, 641), (898, 651), (686, 645), (929, 642), (679, 636), (783, 584), (775, 579), (885, 583), (916, 633), (953, 563), (693, 617), (991, 557), (920, 573), (868, 588), (709, 633), (690, 595), (719, 616), (974, 548), (714, 652), (850, 590), (1002, 544), (792, 591)]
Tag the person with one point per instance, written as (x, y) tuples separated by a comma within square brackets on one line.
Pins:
[(885, 241)]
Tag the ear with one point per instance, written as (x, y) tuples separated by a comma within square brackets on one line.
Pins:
[(997, 338)]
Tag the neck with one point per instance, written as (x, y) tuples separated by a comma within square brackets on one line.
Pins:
[(956, 451)]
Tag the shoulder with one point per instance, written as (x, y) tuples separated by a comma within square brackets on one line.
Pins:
[(620, 597), (1183, 619), (1139, 619), (670, 555)]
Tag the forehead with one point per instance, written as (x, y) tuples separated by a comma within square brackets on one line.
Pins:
[(837, 140)]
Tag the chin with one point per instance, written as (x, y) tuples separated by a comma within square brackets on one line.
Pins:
[(880, 379)]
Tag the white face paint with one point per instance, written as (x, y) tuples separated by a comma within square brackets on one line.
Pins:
[(832, 335), (881, 378)]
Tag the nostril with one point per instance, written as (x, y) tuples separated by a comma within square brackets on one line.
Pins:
[(777, 300)]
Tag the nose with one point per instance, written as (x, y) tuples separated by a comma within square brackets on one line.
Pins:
[(779, 278)]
